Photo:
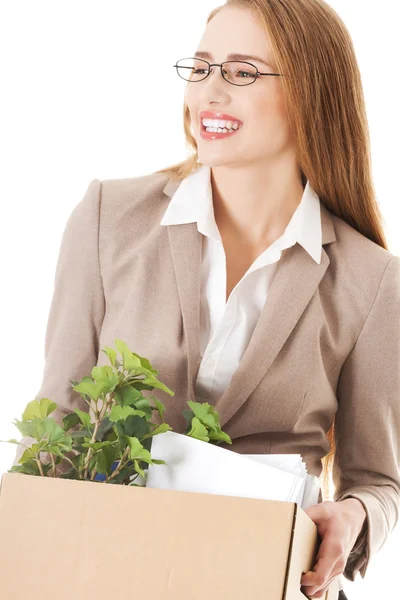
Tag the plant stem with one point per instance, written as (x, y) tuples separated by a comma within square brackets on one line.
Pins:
[(106, 404), (89, 456), (69, 460), (40, 466), (93, 475), (54, 466), (121, 464)]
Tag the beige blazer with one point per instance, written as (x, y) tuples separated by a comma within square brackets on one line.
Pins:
[(327, 341)]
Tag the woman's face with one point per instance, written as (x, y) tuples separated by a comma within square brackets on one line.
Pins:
[(264, 134)]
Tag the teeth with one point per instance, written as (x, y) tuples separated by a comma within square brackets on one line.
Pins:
[(220, 123), (219, 130)]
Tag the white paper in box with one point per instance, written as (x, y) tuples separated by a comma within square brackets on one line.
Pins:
[(197, 466)]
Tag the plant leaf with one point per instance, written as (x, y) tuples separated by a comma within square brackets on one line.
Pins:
[(135, 446), (139, 469), (101, 463), (188, 415), (136, 426), (220, 436), (70, 474), (139, 385), (32, 428), (122, 412), (84, 417), (127, 395), (106, 378), (130, 362), (152, 381), (111, 355), (54, 431), (209, 417), (31, 453), (38, 409), (144, 405), (159, 406), (145, 456), (162, 428), (106, 458), (137, 450), (105, 426), (30, 467), (123, 475), (53, 450), (89, 387), (198, 430), (70, 420), (82, 433), (97, 445)]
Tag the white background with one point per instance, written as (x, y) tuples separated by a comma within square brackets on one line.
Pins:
[(79, 101)]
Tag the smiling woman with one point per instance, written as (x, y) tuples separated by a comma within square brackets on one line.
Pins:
[(275, 119), (255, 274)]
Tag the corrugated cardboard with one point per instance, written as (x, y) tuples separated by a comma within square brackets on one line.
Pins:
[(80, 540)]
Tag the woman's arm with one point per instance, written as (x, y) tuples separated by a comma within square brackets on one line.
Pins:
[(76, 311), (367, 427), (366, 471)]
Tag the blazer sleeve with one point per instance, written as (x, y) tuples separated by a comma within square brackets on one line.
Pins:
[(76, 311), (367, 426)]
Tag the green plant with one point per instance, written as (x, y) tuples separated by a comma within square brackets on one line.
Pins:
[(117, 444)]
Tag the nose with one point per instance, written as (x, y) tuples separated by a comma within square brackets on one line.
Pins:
[(215, 78), (213, 70)]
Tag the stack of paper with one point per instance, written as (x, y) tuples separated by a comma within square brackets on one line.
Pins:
[(196, 466)]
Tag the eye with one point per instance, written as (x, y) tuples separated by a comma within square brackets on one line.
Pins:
[(247, 73)]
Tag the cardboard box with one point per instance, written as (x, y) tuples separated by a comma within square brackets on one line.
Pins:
[(69, 539)]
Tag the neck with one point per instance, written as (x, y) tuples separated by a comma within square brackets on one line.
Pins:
[(255, 205)]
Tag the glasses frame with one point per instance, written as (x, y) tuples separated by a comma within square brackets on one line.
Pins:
[(257, 74)]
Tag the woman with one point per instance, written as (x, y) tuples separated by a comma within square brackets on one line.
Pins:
[(255, 274)]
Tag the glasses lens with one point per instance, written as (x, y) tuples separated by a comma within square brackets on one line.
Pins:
[(192, 69), (236, 72), (239, 73)]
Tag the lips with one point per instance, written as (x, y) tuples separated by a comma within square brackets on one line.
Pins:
[(210, 114)]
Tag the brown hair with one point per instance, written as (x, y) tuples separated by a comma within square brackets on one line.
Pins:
[(326, 111)]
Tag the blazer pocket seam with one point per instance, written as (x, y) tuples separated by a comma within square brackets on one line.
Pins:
[(299, 411)]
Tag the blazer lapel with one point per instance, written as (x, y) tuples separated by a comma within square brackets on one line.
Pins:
[(293, 286), (186, 251)]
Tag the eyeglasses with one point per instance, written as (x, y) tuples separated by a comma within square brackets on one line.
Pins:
[(233, 71)]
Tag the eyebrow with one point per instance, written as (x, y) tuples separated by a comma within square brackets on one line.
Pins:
[(234, 56)]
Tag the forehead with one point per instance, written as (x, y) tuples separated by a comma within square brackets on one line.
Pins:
[(233, 34)]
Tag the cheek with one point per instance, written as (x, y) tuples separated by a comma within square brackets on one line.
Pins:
[(270, 118), (271, 108), (193, 112), (190, 99), (281, 107)]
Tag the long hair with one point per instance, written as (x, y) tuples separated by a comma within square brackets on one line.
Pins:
[(326, 111)]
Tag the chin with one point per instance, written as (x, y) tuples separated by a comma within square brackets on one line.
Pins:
[(213, 162)]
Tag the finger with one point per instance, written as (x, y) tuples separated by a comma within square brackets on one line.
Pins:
[(316, 579), (319, 593), (315, 591), (321, 512), (325, 560), (331, 550)]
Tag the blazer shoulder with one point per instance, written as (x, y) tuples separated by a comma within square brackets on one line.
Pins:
[(132, 207), (358, 269), (356, 250), (135, 188), (139, 199)]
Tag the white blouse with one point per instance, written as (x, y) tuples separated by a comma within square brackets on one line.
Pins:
[(226, 327)]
